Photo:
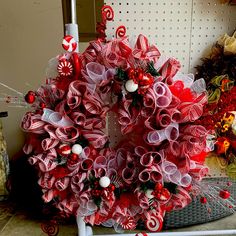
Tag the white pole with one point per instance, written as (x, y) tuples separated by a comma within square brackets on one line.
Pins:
[(72, 28), (73, 12), (81, 226), (187, 233)]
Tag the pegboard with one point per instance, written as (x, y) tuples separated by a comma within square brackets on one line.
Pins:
[(184, 29)]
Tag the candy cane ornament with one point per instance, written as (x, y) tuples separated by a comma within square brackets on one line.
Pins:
[(69, 43)]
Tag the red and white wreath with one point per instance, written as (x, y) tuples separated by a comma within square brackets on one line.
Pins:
[(158, 162)]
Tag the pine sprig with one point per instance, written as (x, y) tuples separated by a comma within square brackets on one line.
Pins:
[(97, 201), (171, 187), (82, 141), (147, 185), (61, 160), (121, 74), (137, 99), (151, 69)]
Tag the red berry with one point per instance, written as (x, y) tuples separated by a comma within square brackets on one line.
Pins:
[(165, 194), (42, 105), (225, 194), (74, 157), (112, 187), (203, 200), (140, 75), (131, 73), (158, 186)]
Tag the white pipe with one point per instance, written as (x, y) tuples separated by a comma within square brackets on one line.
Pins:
[(72, 28), (187, 233), (73, 12)]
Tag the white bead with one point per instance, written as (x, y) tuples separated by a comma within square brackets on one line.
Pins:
[(149, 194), (104, 182), (130, 86), (77, 149)]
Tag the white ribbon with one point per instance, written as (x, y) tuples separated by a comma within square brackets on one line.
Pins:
[(55, 118)]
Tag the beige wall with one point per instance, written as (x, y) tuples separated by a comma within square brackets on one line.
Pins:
[(31, 32)]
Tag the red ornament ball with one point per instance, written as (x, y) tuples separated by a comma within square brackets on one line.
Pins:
[(73, 157), (64, 150), (30, 97)]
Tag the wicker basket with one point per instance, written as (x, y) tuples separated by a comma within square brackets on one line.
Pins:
[(197, 213)]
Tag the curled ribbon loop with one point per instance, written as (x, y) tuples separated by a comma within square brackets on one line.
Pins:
[(128, 175), (171, 133), (32, 123), (55, 118), (169, 69), (163, 94), (86, 164), (120, 31), (144, 51), (69, 134), (62, 184), (150, 158), (151, 173), (107, 13), (49, 143), (95, 71)]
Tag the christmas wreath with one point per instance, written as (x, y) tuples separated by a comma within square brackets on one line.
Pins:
[(156, 166), (219, 116)]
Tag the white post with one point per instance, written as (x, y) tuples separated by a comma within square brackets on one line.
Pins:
[(81, 226), (72, 28)]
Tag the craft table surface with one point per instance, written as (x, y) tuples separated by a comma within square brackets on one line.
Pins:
[(16, 223)]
